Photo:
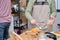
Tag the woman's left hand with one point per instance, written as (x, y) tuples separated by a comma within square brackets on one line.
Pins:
[(51, 21)]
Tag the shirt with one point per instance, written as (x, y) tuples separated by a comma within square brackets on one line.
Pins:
[(31, 3), (5, 11)]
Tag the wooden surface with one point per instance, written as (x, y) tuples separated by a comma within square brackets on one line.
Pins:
[(31, 36), (22, 15), (28, 35), (23, 3)]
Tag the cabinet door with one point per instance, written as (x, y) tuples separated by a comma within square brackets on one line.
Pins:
[(23, 3)]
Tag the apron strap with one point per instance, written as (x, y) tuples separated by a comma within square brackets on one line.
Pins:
[(41, 3), (36, 1), (46, 0)]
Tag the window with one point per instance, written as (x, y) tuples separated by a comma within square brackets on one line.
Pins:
[(57, 4)]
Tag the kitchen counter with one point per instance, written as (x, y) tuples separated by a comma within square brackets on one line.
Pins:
[(29, 35)]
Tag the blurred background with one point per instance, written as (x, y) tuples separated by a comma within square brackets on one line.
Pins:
[(19, 21)]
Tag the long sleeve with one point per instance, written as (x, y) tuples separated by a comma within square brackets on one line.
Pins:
[(29, 9), (53, 8)]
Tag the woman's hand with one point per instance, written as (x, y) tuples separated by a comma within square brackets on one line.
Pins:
[(33, 21), (51, 21)]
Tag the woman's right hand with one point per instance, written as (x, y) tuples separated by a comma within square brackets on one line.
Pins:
[(33, 22)]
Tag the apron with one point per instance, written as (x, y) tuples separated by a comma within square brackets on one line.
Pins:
[(41, 13)]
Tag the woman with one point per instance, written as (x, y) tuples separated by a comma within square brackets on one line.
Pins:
[(34, 20)]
